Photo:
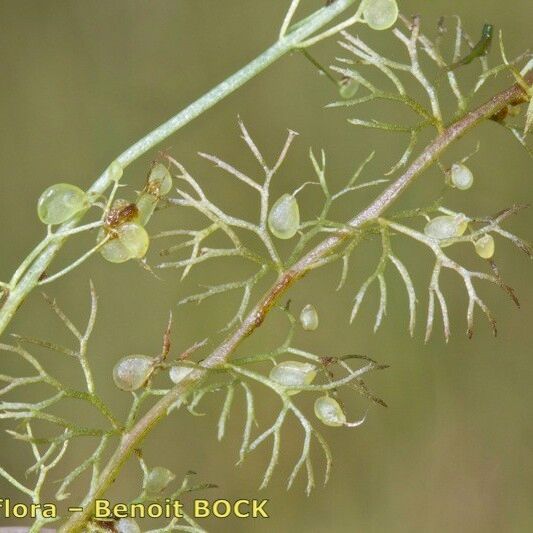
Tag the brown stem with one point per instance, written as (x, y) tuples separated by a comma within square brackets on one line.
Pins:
[(131, 440)]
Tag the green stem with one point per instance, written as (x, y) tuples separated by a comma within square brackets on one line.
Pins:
[(320, 67), (42, 259)]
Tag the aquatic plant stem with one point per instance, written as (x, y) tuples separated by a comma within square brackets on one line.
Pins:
[(133, 438)]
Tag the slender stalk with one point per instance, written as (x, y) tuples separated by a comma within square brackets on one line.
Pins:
[(40, 259), (75, 264), (320, 67), (326, 248)]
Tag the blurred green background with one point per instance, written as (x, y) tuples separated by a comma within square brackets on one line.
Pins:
[(81, 80)]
